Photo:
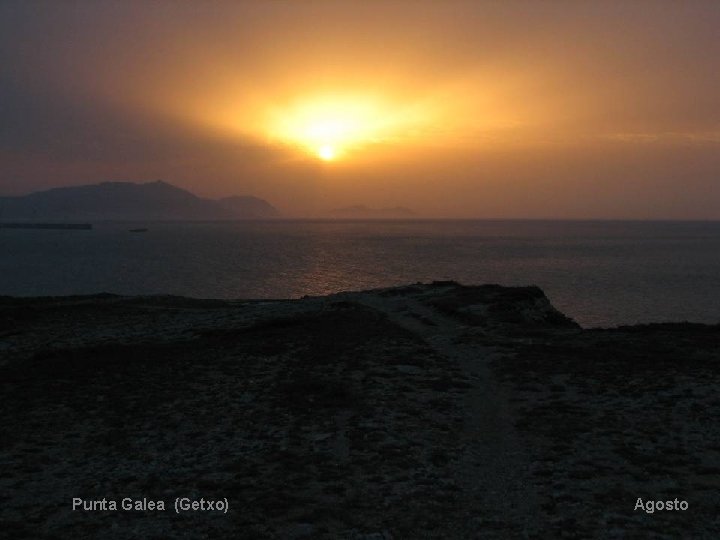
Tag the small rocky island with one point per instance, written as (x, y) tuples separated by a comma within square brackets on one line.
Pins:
[(424, 411)]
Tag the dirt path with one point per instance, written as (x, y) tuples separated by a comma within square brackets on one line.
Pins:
[(493, 470)]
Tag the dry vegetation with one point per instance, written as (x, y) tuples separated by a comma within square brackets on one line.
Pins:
[(427, 411)]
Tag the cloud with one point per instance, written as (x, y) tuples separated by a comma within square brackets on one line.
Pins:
[(703, 138), (510, 93)]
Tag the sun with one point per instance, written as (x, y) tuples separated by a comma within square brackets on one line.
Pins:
[(326, 152), (330, 127)]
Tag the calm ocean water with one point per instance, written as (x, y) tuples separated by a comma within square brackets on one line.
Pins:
[(599, 273)]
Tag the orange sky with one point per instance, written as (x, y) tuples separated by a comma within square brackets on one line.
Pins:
[(454, 109)]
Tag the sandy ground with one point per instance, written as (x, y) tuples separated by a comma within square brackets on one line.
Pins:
[(426, 411)]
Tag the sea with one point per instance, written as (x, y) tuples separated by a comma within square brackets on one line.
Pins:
[(600, 273)]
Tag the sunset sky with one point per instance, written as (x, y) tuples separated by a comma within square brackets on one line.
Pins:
[(538, 109)]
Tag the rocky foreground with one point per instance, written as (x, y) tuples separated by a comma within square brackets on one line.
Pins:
[(426, 411)]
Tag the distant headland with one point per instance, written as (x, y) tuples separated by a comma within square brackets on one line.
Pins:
[(129, 201)]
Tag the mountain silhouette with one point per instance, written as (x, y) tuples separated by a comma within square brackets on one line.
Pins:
[(129, 201), (252, 207)]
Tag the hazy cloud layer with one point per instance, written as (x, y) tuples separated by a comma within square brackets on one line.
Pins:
[(499, 109)]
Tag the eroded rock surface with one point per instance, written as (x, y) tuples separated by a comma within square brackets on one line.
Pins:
[(424, 411)]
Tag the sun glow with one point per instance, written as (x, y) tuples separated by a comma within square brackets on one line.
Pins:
[(326, 152), (332, 128)]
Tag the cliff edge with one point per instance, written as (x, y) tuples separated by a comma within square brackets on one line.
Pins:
[(429, 410)]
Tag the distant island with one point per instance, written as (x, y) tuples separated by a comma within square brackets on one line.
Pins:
[(128, 201), (364, 212)]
